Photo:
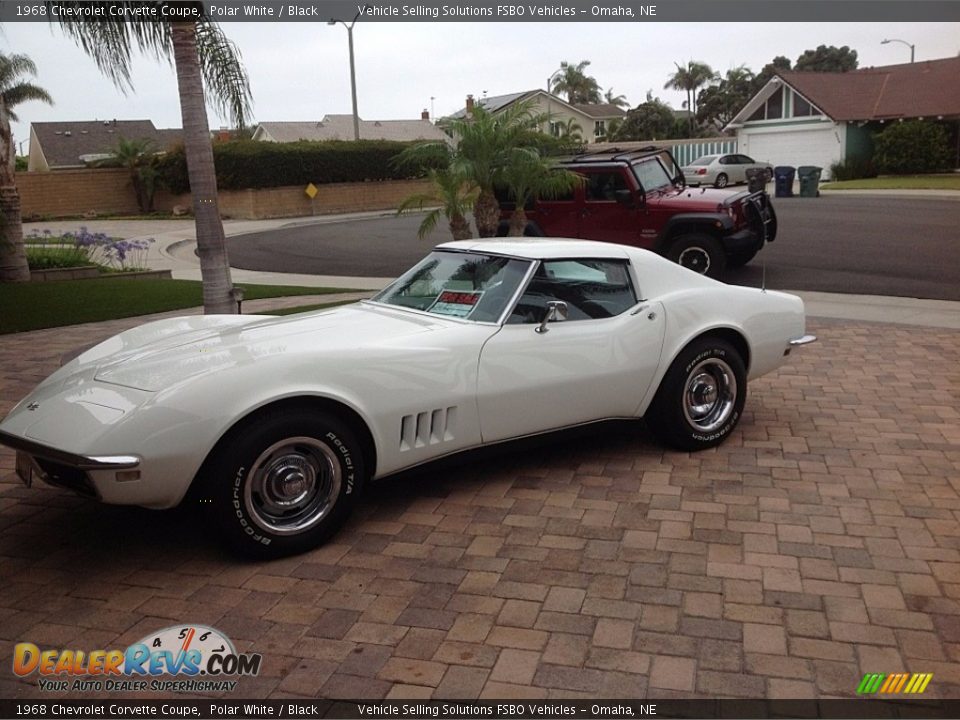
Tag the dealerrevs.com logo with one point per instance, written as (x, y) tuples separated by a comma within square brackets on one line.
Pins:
[(200, 658)]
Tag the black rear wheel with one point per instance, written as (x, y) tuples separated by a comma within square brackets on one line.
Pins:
[(701, 397)]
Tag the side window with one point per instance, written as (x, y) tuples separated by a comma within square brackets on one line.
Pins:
[(744, 160), (603, 186), (727, 160), (592, 289)]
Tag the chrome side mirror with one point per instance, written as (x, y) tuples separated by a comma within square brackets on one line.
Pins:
[(557, 310)]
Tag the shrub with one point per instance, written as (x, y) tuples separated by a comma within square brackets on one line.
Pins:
[(83, 248), (49, 258), (248, 164), (853, 169), (912, 147)]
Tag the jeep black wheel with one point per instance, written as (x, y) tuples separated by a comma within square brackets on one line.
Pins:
[(699, 252), (701, 398), (721, 181), (283, 484)]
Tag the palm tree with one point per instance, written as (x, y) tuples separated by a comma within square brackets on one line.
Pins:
[(201, 54), (690, 78), (571, 132), (483, 143), (576, 84), (14, 90), (619, 101), (137, 157), (455, 196), (528, 174)]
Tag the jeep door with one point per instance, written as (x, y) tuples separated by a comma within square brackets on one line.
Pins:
[(602, 216), (559, 216)]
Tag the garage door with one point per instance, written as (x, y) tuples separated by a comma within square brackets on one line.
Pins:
[(819, 146)]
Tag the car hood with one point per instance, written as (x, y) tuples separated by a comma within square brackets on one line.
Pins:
[(162, 354), (701, 199)]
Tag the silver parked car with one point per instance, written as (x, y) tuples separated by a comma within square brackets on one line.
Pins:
[(723, 170)]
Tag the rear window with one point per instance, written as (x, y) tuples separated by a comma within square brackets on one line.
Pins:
[(705, 160)]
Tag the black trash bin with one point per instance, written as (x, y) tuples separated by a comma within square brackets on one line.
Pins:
[(756, 179), (809, 180), (783, 180)]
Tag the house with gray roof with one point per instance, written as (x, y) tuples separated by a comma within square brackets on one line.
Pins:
[(593, 120), (340, 127), (75, 144)]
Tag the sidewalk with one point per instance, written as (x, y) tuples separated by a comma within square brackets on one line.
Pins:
[(176, 243)]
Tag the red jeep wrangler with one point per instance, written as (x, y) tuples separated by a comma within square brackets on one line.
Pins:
[(640, 198)]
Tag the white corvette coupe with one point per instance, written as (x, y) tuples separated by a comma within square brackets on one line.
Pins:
[(274, 424)]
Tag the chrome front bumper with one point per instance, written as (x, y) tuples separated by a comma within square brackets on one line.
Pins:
[(61, 468), (802, 340)]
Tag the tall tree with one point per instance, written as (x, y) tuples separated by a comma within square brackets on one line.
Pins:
[(573, 82), (651, 120), (527, 174), (690, 78), (201, 54), (769, 70), (827, 59), (14, 90), (719, 103), (619, 101)]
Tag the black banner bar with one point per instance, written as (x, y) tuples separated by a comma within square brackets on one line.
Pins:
[(497, 11), (46, 708)]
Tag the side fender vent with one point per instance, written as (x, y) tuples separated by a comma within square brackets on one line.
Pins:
[(429, 427)]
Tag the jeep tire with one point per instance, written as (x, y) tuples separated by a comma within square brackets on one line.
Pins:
[(700, 253)]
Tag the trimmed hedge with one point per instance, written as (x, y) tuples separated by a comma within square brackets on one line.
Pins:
[(915, 146), (246, 164)]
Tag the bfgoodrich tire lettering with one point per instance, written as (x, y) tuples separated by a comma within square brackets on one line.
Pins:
[(701, 398), (283, 483)]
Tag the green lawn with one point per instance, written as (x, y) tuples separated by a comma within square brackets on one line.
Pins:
[(899, 182), (32, 306)]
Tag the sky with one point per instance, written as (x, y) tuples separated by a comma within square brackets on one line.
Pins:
[(300, 71)]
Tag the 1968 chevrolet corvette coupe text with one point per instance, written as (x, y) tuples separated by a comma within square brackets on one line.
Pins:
[(274, 424)]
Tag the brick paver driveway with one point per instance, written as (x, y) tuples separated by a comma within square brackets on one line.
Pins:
[(819, 543)]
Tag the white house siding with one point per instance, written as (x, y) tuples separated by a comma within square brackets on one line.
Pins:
[(796, 144)]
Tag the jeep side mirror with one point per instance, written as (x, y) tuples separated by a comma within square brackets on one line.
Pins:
[(624, 197), (556, 310)]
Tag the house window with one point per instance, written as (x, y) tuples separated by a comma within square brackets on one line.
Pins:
[(801, 108), (556, 128), (772, 109), (775, 105), (599, 128)]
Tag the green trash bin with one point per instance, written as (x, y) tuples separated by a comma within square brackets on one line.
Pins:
[(809, 180)]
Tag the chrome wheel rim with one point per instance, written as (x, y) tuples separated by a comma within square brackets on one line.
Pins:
[(722, 181), (293, 485), (695, 258), (709, 395)]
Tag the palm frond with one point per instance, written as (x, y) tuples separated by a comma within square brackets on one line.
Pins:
[(225, 79), (429, 223), (110, 40)]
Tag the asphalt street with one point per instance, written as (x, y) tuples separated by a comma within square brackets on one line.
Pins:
[(873, 245)]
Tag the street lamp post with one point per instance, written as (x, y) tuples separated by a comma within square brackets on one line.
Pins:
[(904, 42), (353, 73)]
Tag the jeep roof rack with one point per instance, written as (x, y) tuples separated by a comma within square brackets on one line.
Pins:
[(617, 154)]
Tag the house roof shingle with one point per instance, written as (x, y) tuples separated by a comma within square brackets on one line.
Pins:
[(340, 127), (928, 88), (602, 110), (65, 143)]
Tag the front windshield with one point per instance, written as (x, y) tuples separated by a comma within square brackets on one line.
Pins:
[(652, 174), (458, 284)]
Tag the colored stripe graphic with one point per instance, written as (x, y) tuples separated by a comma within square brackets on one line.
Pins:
[(895, 683)]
